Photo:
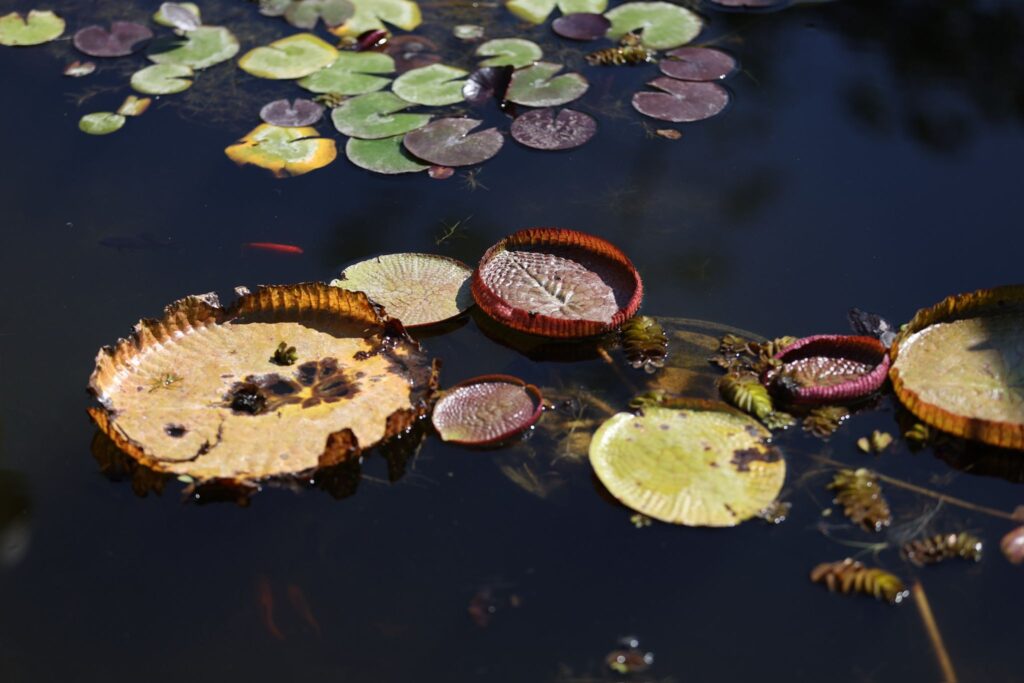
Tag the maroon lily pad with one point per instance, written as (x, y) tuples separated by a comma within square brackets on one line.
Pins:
[(447, 142), (543, 129), (412, 52), (681, 101), (123, 38), (487, 82), (486, 410), (829, 368), (697, 64), (581, 26), (292, 114)]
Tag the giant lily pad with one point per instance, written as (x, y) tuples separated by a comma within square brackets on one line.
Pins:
[(419, 289), (435, 85), (697, 64), (517, 52), (297, 113), (557, 283), (306, 13), (537, 86), (698, 464), (663, 25), (959, 366), (681, 101), (101, 123), (123, 38), (385, 155), (372, 14), (199, 49), (352, 74), (486, 410), (293, 57), (537, 11), (285, 151), (543, 129), (202, 392), (828, 369), (162, 79), (374, 115), (38, 27), (448, 142)]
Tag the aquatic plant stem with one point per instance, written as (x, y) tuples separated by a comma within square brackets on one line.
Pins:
[(925, 610), (606, 357)]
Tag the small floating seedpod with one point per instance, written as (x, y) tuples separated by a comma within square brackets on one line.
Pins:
[(554, 282), (828, 368), (486, 410)]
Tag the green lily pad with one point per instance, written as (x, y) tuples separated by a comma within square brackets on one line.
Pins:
[(372, 14), (162, 79), (350, 74), (306, 13), (284, 151), (663, 25), (537, 11), (374, 115), (433, 85), (199, 49), (384, 155), (515, 52), (537, 86), (101, 123), (37, 28), (296, 56)]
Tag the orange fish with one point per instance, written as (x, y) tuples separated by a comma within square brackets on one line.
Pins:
[(274, 246)]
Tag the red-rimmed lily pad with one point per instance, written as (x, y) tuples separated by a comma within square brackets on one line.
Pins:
[(557, 283), (38, 27), (487, 82), (486, 410), (123, 38), (299, 112), (375, 115), (681, 101), (662, 25), (544, 129), (383, 155), (581, 26), (538, 86), (829, 368), (448, 142), (697, 64)]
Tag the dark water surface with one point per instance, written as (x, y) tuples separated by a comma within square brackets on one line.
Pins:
[(870, 157)]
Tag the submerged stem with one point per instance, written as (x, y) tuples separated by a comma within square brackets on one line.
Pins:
[(925, 610)]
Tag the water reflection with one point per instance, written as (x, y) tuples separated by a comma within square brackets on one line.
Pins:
[(15, 519)]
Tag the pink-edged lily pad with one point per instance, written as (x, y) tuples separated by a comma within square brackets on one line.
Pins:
[(829, 368), (486, 410), (487, 82), (294, 114), (123, 38), (697, 64), (448, 142), (581, 26), (544, 129), (681, 101)]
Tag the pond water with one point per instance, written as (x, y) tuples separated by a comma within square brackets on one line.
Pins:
[(869, 157)]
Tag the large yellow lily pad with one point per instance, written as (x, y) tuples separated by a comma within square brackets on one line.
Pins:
[(288, 379), (284, 151), (959, 366)]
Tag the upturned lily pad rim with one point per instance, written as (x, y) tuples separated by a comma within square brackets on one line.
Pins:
[(994, 301), (861, 348), (539, 324), (531, 390)]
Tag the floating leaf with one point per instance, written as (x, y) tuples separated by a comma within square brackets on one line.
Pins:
[(285, 151), (448, 142), (412, 52), (860, 494), (299, 112), (537, 11), (440, 172), (537, 86), (134, 106), (486, 410), (663, 25), (419, 289), (645, 343), (101, 123), (293, 57), (372, 14), (199, 49), (385, 155), (581, 26), (433, 85), (745, 391), (681, 100), (958, 366), (182, 16), (544, 129), (77, 69), (697, 64), (487, 82), (306, 13), (828, 368), (824, 420), (702, 464), (939, 547), (515, 52), (162, 79), (236, 416), (1012, 545), (123, 38), (38, 27), (850, 576), (468, 32), (351, 74), (374, 115)]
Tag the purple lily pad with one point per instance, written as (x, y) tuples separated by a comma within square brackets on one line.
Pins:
[(581, 26), (681, 101), (412, 52), (542, 129), (487, 82), (697, 64), (292, 114), (447, 142), (123, 38)]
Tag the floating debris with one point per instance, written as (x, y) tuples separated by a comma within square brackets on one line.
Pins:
[(284, 355), (640, 521), (849, 576), (468, 32), (775, 512), (668, 133), (134, 106), (621, 55), (876, 443), (823, 421), (860, 494), (77, 69), (939, 547)]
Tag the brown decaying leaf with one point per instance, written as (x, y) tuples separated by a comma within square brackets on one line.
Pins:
[(849, 576), (668, 133), (860, 494), (939, 547)]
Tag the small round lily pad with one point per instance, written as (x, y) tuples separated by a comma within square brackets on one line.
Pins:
[(582, 26), (697, 64), (101, 123), (544, 129), (199, 49), (662, 25), (516, 52), (375, 115), (384, 155), (352, 73), (183, 16), (435, 85), (123, 38), (296, 56), (40, 26), (283, 151), (299, 112), (486, 410), (162, 79), (681, 100), (448, 142), (538, 86)]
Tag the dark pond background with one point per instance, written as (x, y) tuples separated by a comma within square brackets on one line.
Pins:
[(870, 157)]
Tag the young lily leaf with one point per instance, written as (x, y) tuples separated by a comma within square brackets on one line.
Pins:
[(351, 74), (123, 38), (681, 100), (487, 82), (292, 114), (37, 28), (435, 85), (77, 69), (447, 142), (663, 25), (284, 151), (516, 52), (697, 64), (372, 14), (199, 49), (537, 11), (543, 129), (486, 410), (162, 79), (134, 106), (293, 57), (537, 86), (305, 13), (384, 155), (374, 115), (101, 123), (183, 16), (581, 26)]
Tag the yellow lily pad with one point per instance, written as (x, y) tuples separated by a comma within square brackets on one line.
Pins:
[(284, 151), (296, 56), (38, 27)]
